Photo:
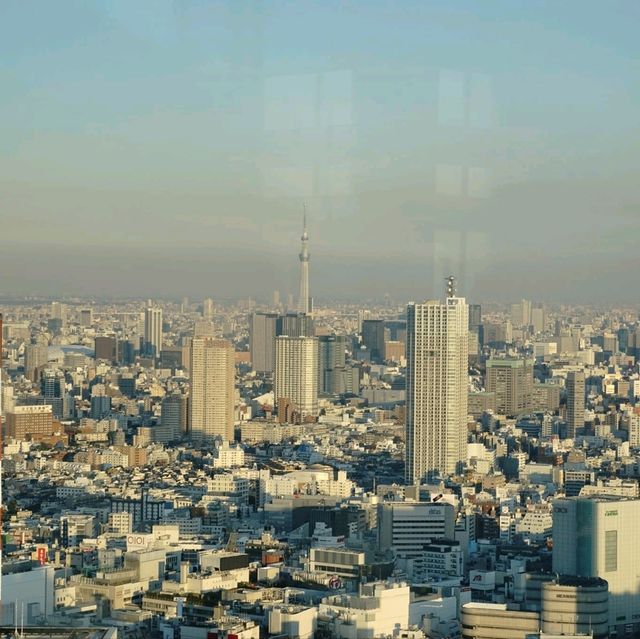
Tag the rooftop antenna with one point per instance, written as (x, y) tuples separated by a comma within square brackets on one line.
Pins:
[(451, 286)]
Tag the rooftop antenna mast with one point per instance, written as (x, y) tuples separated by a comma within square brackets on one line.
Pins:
[(451, 286)]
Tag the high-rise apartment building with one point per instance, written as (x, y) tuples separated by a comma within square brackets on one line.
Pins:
[(58, 312), (437, 387), (36, 357), (173, 418), (86, 317), (373, 338), (207, 309), (296, 373), (204, 328), (152, 332), (596, 537), (331, 361), (262, 341), (511, 381), (575, 402), (212, 398), (295, 325)]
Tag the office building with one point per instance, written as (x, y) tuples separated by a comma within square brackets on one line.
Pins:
[(475, 316), (171, 358), (152, 343), (575, 402), (127, 385), (538, 319), (100, 406), (296, 374), (212, 398), (262, 341), (30, 422), (54, 326), (52, 389), (373, 331), (595, 537), (545, 397), (126, 352), (396, 330), (409, 527), (511, 381), (521, 314), (437, 381), (106, 348)]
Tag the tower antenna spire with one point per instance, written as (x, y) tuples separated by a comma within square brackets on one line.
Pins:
[(303, 294), (451, 286)]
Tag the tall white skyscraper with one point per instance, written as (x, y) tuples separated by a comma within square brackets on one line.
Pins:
[(296, 373), (212, 398), (153, 331), (303, 295), (437, 386)]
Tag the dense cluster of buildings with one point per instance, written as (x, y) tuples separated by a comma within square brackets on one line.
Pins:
[(240, 470)]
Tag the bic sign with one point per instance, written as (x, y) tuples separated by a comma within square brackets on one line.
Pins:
[(610, 513)]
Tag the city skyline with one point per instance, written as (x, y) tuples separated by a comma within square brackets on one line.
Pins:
[(319, 319)]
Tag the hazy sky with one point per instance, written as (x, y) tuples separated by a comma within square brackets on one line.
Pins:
[(165, 147)]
